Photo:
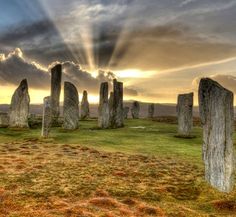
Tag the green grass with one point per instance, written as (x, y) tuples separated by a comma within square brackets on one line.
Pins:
[(155, 139)]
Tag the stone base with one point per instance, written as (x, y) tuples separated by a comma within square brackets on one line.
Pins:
[(4, 120), (185, 136)]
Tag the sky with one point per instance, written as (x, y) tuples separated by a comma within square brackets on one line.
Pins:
[(158, 48)]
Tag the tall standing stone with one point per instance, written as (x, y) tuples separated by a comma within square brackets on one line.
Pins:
[(71, 107), (116, 105), (126, 112), (217, 117), (185, 114), (151, 109), (85, 106), (111, 109), (135, 110), (56, 74), (103, 109), (47, 117), (19, 109)]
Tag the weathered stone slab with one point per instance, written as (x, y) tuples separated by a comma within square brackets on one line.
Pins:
[(56, 75), (85, 106), (135, 110), (151, 110), (116, 105), (19, 108), (103, 108), (47, 117), (71, 107), (111, 109), (185, 114), (126, 112), (217, 116), (32, 116), (4, 120)]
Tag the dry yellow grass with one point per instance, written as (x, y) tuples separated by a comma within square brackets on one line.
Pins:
[(46, 179)]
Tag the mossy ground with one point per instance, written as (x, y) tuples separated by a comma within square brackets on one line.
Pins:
[(139, 170)]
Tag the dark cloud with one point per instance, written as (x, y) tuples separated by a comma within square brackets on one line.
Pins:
[(155, 47), (166, 47), (14, 67), (85, 81), (119, 41), (23, 32), (46, 54), (40, 41), (105, 41)]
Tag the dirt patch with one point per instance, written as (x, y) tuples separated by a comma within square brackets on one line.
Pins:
[(225, 205)]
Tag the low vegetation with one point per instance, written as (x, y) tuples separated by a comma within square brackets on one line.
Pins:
[(139, 170)]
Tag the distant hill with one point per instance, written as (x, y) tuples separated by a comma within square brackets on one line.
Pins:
[(160, 109)]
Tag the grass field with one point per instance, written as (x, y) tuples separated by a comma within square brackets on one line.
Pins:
[(139, 170)]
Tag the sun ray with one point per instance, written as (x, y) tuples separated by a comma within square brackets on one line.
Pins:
[(77, 38)]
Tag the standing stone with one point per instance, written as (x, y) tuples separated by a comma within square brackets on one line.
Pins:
[(32, 116), (185, 114), (71, 107), (217, 117), (151, 109), (4, 120), (56, 74), (111, 109), (85, 106), (126, 112), (47, 118), (19, 109), (116, 105), (135, 110), (103, 109)]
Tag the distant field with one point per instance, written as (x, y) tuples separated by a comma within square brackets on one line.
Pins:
[(139, 170)]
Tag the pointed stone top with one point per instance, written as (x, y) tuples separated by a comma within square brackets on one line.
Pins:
[(115, 82), (111, 93), (69, 84), (47, 98), (57, 67), (104, 83), (185, 94), (104, 88), (208, 82), (85, 93), (23, 85)]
